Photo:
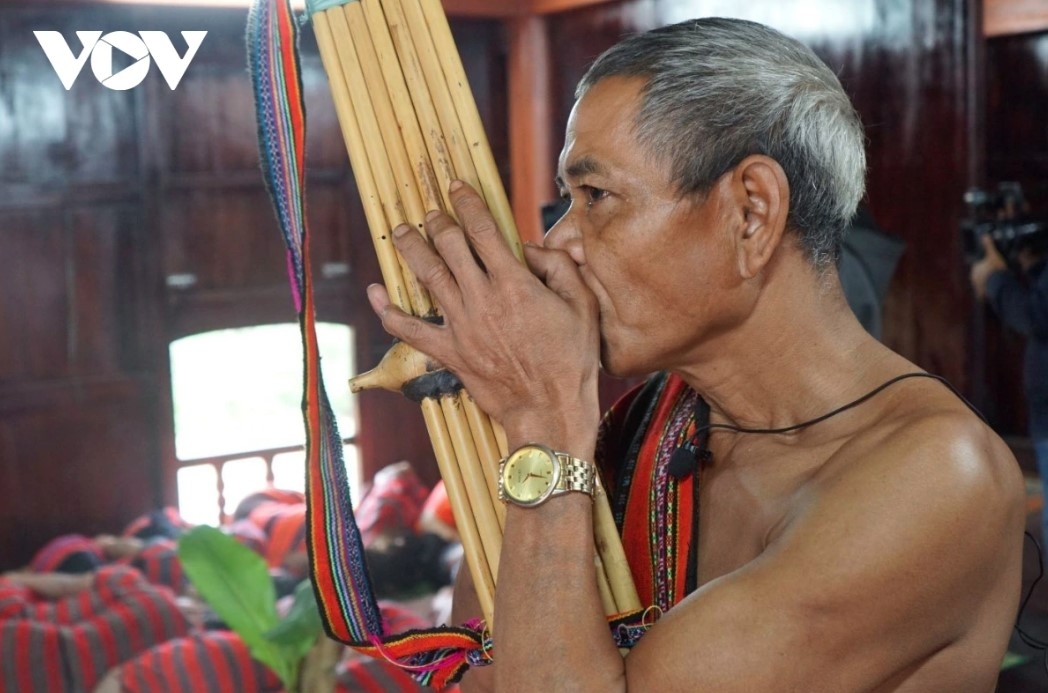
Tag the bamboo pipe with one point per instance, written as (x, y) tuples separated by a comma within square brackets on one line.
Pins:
[(480, 497), (429, 148), (487, 447), (374, 212), (607, 599), (469, 115), (613, 556), (385, 79), (391, 270), (428, 27), (418, 58), (430, 95), (472, 544), (416, 84), (371, 135), (496, 432), (373, 38)]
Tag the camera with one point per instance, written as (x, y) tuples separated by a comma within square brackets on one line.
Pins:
[(1002, 214)]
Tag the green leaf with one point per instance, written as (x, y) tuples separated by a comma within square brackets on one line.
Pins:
[(301, 627), (235, 581)]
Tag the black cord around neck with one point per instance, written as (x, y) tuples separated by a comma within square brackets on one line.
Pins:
[(849, 405)]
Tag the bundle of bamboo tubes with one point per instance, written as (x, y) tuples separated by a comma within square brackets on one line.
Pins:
[(411, 127)]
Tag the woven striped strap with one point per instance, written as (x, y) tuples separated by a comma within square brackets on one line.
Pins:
[(340, 579)]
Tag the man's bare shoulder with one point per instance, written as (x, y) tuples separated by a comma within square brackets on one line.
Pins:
[(927, 441), (897, 568)]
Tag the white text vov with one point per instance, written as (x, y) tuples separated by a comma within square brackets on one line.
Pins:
[(140, 47)]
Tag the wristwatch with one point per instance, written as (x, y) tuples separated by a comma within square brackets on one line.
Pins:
[(533, 473)]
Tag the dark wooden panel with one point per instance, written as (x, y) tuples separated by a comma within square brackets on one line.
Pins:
[(1016, 83), (104, 244), (1016, 104), (34, 302), (67, 304), (86, 463), (49, 135), (226, 238)]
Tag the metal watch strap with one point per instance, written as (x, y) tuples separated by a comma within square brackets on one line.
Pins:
[(576, 475)]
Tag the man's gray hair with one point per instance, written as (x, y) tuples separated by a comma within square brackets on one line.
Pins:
[(719, 90)]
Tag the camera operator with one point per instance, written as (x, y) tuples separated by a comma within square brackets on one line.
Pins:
[(1020, 300)]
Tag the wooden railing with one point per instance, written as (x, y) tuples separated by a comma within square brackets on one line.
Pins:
[(218, 462)]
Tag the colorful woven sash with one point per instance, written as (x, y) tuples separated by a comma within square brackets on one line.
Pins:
[(436, 656), (656, 513), (339, 572)]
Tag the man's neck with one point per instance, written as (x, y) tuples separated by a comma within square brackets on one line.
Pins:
[(772, 372)]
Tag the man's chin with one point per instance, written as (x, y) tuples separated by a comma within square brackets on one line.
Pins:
[(613, 364)]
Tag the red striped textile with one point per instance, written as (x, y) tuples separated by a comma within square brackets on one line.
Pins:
[(247, 533), (266, 495), (67, 645), (69, 553), (285, 530), (209, 662), (219, 662), (394, 502), (360, 674), (638, 436), (165, 522), (159, 563), (31, 658)]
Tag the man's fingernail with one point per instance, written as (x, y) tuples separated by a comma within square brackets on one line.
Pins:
[(455, 185), (401, 231), (432, 215)]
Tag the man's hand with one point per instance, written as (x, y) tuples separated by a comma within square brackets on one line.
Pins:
[(991, 262), (524, 343)]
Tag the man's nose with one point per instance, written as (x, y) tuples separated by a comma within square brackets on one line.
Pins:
[(564, 235)]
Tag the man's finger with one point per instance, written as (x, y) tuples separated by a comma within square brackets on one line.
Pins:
[(428, 338), (428, 266), (450, 242), (557, 271), (482, 229)]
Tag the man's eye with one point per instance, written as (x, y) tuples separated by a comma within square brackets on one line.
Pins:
[(593, 194)]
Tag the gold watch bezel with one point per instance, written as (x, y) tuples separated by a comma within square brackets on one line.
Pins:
[(509, 490)]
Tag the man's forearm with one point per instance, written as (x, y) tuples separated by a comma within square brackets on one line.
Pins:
[(550, 631)]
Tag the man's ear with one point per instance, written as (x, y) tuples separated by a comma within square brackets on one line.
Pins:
[(762, 193)]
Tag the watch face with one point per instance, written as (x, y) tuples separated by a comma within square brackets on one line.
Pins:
[(530, 474)]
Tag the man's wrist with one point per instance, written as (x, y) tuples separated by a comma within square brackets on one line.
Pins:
[(571, 429), (578, 444)]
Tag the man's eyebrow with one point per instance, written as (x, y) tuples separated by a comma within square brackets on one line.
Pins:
[(582, 166), (585, 165)]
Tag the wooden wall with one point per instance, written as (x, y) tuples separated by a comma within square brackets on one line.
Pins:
[(1016, 84), (131, 218)]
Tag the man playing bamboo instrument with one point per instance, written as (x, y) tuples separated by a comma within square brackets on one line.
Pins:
[(838, 543)]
